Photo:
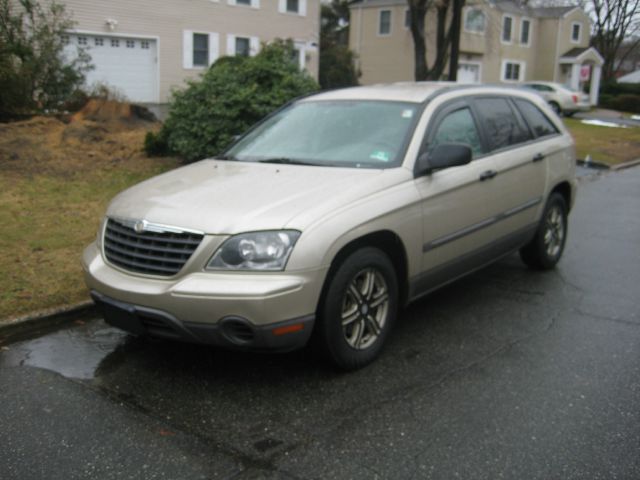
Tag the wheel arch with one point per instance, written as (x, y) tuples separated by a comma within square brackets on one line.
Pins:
[(564, 189), (386, 241)]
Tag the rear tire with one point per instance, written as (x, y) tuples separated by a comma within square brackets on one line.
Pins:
[(545, 249), (358, 310)]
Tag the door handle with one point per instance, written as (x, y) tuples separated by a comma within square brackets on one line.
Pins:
[(487, 175), (539, 157)]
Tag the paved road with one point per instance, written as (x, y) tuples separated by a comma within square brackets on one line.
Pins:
[(505, 374)]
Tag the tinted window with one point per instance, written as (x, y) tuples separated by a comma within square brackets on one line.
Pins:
[(538, 121), (500, 123), (458, 127)]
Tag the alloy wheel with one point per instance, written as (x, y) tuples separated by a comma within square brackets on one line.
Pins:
[(365, 308)]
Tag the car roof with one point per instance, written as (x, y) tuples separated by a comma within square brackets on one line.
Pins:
[(414, 92)]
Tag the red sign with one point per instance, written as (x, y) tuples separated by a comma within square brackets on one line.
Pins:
[(585, 73)]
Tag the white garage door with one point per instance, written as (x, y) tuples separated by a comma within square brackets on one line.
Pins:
[(129, 65), (468, 73)]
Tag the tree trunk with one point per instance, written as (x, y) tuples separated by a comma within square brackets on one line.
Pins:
[(456, 22), (447, 37), (418, 12)]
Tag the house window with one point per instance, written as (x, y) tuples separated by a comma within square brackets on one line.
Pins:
[(384, 24), (525, 31), (475, 20), (65, 40), (296, 7), (131, 44), (512, 71), (243, 2), (98, 41), (507, 27), (200, 50), (144, 44), (407, 18), (576, 32), (243, 46), (115, 42), (82, 40)]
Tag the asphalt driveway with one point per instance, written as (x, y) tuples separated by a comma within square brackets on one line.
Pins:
[(507, 373)]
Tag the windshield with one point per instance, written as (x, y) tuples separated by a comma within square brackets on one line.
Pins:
[(331, 133)]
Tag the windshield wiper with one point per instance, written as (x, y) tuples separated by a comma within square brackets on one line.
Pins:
[(225, 157), (288, 161)]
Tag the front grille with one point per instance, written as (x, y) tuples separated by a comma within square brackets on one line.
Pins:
[(156, 253)]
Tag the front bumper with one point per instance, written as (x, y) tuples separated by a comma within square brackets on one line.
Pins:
[(231, 332), (270, 311)]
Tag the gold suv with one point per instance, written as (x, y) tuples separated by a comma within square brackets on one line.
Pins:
[(333, 212)]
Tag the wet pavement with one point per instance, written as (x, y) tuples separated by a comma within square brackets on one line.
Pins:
[(507, 373)]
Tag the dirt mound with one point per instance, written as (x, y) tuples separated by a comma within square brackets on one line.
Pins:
[(113, 112), (49, 146)]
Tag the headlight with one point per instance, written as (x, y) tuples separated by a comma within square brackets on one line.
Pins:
[(255, 251)]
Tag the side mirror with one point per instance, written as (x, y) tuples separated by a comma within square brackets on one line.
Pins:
[(442, 156)]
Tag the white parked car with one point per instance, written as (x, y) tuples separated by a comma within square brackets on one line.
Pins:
[(563, 100), (332, 213)]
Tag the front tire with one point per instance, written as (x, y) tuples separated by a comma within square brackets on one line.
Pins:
[(556, 108), (546, 247), (358, 309)]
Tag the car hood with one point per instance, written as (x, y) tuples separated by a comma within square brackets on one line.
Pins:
[(227, 197)]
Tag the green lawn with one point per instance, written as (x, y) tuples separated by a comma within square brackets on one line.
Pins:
[(605, 144), (53, 195)]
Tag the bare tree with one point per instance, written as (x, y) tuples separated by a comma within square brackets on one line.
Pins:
[(448, 20), (614, 21)]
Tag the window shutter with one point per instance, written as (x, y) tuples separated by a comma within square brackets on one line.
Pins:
[(255, 46), (231, 45), (187, 49), (302, 6), (214, 47), (282, 6)]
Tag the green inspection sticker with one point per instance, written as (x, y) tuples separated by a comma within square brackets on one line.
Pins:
[(380, 155)]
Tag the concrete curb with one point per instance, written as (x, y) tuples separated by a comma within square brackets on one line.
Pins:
[(622, 166), (593, 165), (12, 329)]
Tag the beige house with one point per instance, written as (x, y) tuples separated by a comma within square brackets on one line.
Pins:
[(144, 48), (501, 41)]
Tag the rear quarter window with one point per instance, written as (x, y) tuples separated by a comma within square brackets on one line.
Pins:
[(537, 120)]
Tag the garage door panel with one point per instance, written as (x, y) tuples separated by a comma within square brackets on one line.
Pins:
[(128, 65)]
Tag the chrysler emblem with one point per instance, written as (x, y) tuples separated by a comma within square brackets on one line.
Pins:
[(140, 226)]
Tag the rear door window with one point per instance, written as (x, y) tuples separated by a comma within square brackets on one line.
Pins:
[(537, 120), (500, 123)]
